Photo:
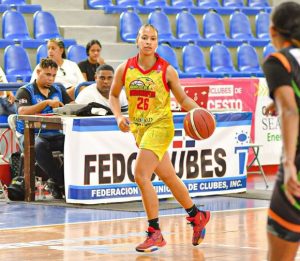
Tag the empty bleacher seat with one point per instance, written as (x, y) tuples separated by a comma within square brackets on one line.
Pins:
[(16, 64), (221, 61), (99, 4), (76, 53), (130, 22), (258, 3), (14, 28), (262, 22), (45, 28), (21, 6), (122, 6), (213, 26), (183, 3), (162, 5), (161, 22), (167, 53), (187, 27), (233, 3), (41, 52), (239, 26), (214, 29), (208, 3), (268, 49), (193, 62), (240, 29), (247, 61)]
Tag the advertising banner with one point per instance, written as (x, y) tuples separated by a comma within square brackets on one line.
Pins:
[(99, 159)]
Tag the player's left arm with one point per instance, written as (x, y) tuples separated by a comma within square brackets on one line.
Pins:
[(173, 82)]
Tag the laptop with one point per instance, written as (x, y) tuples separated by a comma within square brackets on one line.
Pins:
[(68, 109), (198, 93)]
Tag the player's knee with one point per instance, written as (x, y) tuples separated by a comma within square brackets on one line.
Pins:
[(141, 178)]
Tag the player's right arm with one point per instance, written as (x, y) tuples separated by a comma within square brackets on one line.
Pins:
[(114, 100), (289, 117)]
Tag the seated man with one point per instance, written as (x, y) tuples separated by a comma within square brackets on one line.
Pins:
[(99, 91), (41, 96)]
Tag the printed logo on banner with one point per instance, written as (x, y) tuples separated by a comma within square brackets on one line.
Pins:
[(182, 141), (242, 138)]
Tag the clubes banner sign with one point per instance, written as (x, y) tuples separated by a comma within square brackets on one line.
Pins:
[(99, 159)]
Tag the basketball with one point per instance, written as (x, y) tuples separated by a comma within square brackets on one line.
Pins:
[(199, 124)]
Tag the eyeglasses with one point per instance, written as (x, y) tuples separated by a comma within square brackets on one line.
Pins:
[(63, 71)]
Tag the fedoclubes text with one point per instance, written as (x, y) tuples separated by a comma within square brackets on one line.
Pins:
[(113, 168)]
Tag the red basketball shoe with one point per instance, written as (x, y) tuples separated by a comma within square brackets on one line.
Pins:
[(153, 241), (198, 223)]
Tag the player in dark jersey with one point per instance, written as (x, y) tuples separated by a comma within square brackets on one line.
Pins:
[(282, 71)]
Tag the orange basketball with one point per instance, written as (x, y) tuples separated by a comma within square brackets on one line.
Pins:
[(199, 124)]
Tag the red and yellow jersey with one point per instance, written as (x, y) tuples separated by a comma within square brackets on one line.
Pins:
[(147, 92)]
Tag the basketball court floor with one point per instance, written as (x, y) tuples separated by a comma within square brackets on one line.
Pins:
[(41, 232)]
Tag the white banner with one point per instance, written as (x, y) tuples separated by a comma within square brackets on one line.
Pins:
[(267, 128), (99, 159)]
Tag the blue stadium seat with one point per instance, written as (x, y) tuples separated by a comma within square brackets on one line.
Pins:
[(14, 28), (76, 53), (268, 49), (16, 64), (167, 53), (127, 3), (247, 61), (213, 26), (214, 30), (160, 20), (99, 4), (130, 23), (162, 5), (193, 62), (239, 26), (221, 61), (41, 52), (122, 6), (187, 27), (13, 2), (208, 3), (258, 3), (233, 3), (182, 3), (45, 28), (21, 6), (240, 29), (262, 22)]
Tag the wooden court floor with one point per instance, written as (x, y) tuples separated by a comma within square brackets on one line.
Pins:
[(236, 232), (231, 235)]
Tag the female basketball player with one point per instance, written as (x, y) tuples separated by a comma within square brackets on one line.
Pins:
[(148, 80), (282, 70)]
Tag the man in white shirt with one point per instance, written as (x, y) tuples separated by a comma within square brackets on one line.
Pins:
[(99, 91)]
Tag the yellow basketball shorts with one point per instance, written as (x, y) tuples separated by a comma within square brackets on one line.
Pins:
[(156, 137)]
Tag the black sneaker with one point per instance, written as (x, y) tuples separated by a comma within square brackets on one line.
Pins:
[(54, 189)]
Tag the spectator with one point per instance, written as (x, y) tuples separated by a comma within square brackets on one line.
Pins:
[(41, 96), (99, 91), (89, 66), (7, 98), (68, 73)]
